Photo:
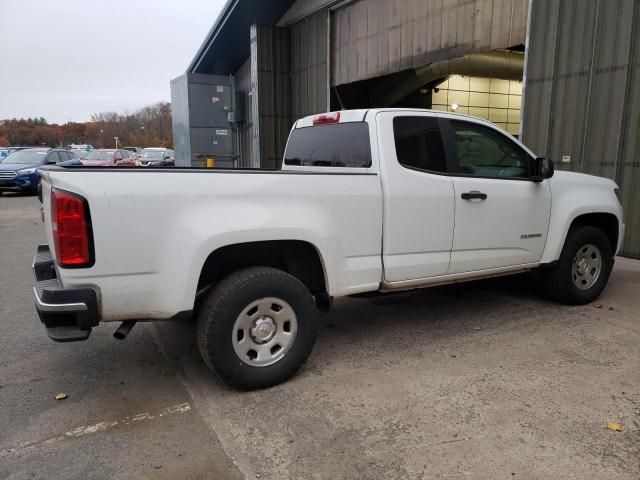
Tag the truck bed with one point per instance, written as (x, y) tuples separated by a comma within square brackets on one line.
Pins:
[(149, 223)]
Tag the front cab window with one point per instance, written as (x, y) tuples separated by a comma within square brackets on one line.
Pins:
[(484, 152)]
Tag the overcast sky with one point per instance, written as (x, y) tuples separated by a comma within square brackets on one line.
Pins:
[(66, 59)]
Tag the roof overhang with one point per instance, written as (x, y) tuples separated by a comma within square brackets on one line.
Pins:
[(227, 45)]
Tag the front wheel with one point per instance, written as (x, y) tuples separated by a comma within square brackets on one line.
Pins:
[(257, 327), (583, 269)]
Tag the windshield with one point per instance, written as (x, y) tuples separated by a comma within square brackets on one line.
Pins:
[(25, 157), (99, 155), (15, 149), (80, 153), (153, 154)]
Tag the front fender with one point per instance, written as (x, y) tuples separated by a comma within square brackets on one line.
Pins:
[(574, 195)]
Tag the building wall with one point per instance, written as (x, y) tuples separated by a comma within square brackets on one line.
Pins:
[(370, 38), (493, 99), (304, 8), (271, 92), (180, 121), (309, 58), (284, 79), (245, 130), (582, 93)]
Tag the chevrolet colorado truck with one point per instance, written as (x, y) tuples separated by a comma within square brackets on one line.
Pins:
[(366, 201)]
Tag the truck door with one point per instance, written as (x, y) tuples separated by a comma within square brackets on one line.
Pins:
[(418, 205), (502, 215)]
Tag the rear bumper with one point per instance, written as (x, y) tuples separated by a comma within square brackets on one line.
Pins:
[(68, 314)]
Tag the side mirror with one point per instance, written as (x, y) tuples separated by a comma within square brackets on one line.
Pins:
[(542, 169)]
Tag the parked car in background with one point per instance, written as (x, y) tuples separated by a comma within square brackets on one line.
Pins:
[(10, 150), (157, 157), (83, 146), (3, 153), (136, 150), (19, 170), (108, 157), (80, 154)]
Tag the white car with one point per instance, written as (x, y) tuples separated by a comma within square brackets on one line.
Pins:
[(367, 201)]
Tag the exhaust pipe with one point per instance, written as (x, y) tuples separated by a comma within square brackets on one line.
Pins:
[(124, 329)]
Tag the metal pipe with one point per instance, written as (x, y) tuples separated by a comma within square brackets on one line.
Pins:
[(124, 329), (502, 64)]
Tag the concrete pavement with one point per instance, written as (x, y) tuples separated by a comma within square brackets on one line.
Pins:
[(483, 380)]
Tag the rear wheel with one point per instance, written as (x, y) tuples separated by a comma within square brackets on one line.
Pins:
[(583, 269), (257, 327)]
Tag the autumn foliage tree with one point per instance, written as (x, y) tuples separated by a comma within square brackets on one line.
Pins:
[(148, 127)]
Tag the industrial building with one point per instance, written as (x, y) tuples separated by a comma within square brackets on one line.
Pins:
[(563, 75)]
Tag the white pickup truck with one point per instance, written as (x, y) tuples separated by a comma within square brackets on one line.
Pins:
[(366, 201)]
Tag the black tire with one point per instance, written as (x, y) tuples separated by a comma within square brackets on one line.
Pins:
[(559, 283), (223, 306)]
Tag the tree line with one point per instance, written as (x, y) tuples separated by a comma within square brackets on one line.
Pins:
[(148, 127)]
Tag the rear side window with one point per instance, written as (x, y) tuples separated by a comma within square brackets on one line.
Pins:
[(338, 145), (419, 143)]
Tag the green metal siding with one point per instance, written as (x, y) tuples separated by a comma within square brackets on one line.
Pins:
[(582, 93), (370, 38)]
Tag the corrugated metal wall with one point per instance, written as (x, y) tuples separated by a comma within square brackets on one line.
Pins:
[(370, 38), (304, 8), (180, 121), (245, 129), (309, 74), (271, 92), (284, 79), (582, 93)]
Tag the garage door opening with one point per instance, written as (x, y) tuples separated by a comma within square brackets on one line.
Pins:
[(486, 85)]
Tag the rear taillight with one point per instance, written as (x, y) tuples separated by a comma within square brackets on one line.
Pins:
[(71, 229)]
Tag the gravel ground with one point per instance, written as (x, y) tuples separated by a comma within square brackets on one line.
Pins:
[(483, 380)]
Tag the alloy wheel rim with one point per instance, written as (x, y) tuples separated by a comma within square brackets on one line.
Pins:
[(264, 332), (587, 265)]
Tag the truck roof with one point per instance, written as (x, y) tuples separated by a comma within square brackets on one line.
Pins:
[(359, 115)]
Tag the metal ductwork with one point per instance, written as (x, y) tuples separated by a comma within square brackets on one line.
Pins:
[(502, 64)]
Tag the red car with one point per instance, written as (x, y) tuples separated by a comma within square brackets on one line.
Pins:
[(107, 157)]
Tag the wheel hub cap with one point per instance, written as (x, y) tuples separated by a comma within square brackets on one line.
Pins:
[(582, 266), (587, 265), (263, 329)]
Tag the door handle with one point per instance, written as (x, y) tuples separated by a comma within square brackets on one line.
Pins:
[(473, 195)]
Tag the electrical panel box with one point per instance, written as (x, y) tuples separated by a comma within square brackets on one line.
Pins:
[(203, 116)]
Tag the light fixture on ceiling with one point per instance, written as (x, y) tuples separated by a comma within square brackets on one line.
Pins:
[(454, 106)]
